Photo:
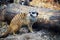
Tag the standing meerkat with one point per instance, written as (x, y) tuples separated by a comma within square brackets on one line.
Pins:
[(19, 20)]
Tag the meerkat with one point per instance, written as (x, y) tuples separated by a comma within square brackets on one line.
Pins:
[(25, 2), (19, 20)]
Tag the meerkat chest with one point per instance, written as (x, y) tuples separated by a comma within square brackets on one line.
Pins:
[(32, 20)]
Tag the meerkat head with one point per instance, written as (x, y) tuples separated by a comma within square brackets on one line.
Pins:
[(24, 2), (33, 14)]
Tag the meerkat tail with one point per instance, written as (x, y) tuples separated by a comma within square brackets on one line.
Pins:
[(6, 33)]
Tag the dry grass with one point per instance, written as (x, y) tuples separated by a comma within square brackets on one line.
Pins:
[(47, 4)]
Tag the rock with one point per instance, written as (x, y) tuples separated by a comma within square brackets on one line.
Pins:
[(41, 35)]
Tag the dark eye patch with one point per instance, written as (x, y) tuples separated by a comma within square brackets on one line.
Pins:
[(22, 1), (33, 12)]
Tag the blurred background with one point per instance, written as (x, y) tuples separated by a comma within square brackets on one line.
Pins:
[(47, 27)]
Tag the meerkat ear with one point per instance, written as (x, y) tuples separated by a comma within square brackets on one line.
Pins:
[(37, 13), (25, 14), (29, 12)]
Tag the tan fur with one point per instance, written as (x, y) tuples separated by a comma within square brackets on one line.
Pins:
[(17, 22)]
